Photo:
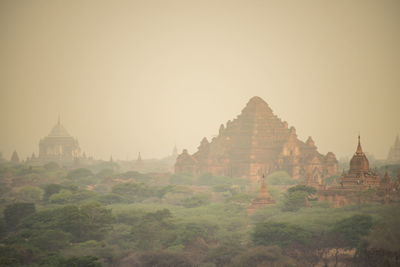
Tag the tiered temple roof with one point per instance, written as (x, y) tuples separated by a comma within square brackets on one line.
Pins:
[(256, 142), (58, 146)]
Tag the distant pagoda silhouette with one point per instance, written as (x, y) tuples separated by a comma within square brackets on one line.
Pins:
[(394, 152), (59, 146)]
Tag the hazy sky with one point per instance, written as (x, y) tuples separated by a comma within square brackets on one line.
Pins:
[(130, 76)]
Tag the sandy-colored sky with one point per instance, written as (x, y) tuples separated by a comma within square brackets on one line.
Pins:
[(130, 76)]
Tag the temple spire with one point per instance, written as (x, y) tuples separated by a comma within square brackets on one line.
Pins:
[(359, 149), (263, 185), (58, 121)]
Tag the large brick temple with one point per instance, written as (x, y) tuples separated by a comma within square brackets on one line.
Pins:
[(255, 143)]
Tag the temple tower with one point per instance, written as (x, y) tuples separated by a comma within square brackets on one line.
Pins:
[(14, 157)]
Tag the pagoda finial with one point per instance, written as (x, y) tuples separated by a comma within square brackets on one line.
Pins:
[(58, 121), (263, 185), (359, 149)]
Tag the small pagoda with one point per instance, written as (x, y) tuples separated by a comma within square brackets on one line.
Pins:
[(263, 199)]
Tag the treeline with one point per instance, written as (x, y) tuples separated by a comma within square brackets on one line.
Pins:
[(53, 216), (93, 236)]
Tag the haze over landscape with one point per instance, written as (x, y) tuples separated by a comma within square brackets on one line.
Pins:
[(199, 133), (130, 76)]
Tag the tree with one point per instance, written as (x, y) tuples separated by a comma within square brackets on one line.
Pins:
[(297, 197), (382, 247), (62, 197), (196, 201), (110, 198), (18, 255), (157, 258), (30, 193), (279, 234), (223, 254), (68, 196), (51, 189), (190, 231), (98, 220), (14, 213), (79, 173), (153, 230), (88, 222), (262, 256), (104, 173), (353, 228), (54, 259), (303, 188), (84, 261), (294, 201), (50, 240), (69, 219), (133, 191)]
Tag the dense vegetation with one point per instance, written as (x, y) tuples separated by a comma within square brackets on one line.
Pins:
[(98, 216)]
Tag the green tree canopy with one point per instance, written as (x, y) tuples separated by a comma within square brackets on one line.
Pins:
[(303, 188), (262, 256), (134, 191), (279, 234), (14, 213), (297, 197), (79, 173), (90, 221), (353, 228)]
